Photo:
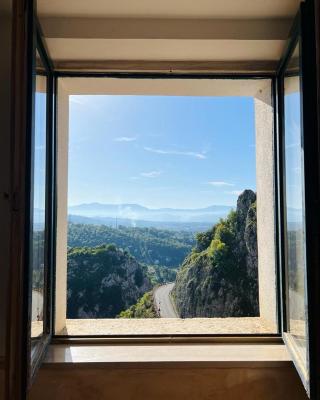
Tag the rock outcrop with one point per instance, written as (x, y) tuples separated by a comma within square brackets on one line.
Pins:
[(103, 281), (220, 277)]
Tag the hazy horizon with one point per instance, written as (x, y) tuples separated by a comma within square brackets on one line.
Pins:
[(150, 208)]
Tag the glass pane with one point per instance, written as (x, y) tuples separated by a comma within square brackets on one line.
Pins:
[(296, 261), (39, 203)]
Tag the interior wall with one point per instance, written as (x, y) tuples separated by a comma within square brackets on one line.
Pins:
[(265, 172), (182, 383), (5, 71), (5, 74), (62, 207)]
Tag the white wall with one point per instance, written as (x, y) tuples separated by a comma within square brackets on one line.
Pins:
[(62, 207), (265, 206)]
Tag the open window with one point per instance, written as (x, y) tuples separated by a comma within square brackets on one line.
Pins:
[(132, 196), (32, 252), (281, 218), (41, 231), (299, 195)]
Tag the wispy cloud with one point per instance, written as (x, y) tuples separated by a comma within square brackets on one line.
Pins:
[(147, 174), (125, 139), (219, 183), (76, 99), (151, 174), (235, 192), (200, 156), (292, 145)]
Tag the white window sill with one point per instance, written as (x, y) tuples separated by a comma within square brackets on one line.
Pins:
[(167, 326), (169, 355)]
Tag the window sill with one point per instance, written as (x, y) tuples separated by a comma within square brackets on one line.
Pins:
[(215, 355), (167, 326)]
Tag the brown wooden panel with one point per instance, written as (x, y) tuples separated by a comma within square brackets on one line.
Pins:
[(167, 383), (168, 66)]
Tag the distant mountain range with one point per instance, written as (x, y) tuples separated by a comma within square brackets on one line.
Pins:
[(197, 219), (136, 212)]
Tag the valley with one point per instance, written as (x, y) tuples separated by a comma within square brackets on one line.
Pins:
[(147, 272)]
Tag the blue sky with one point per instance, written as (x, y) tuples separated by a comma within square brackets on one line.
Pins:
[(160, 151), (294, 188), (40, 151)]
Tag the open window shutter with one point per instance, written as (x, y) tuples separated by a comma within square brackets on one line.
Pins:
[(32, 202), (299, 189)]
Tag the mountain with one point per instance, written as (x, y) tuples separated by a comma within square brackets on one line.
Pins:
[(162, 225), (219, 278), (136, 212), (148, 245), (103, 281)]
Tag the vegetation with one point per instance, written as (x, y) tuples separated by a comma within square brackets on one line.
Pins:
[(143, 309), (150, 246), (220, 276), (159, 275), (111, 271), (38, 260), (103, 281)]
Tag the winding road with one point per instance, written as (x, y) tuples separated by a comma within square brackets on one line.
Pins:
[(163, 301)]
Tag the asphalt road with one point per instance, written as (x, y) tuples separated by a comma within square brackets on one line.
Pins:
[(163, 301)]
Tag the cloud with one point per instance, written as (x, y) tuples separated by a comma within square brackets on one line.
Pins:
[(77, 99), (125, 139), (200, 156), (292, 145), (219, 183), (235, 192), (151, 174)]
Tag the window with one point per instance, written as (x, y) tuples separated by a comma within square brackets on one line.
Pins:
[(295, 219), (38, 253), (40, 212), (151, 166), (294, 189), (41, 215), (215, 265)]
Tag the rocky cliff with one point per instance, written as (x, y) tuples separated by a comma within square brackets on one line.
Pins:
[(220, 276), (103, 281)]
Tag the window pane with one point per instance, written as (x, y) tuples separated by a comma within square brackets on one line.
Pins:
[(296, 262), (39, 203)]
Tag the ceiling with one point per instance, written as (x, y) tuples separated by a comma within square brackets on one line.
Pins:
[(221, 9), (99, 34), (166, 87)]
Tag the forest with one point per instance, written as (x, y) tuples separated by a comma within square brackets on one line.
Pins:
[(150, 246)]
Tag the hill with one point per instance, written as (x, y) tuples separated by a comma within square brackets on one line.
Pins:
[(143, 309), (103, 281), (148, 245), (139, 223), (219, 278)]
